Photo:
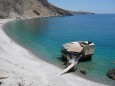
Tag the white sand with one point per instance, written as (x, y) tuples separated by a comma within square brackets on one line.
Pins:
[(20, 68)]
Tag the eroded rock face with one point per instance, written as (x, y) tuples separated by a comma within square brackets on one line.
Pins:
[(111, 73), (29, 8)]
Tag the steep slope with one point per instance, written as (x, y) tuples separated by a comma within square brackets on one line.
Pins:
[(29, 8)]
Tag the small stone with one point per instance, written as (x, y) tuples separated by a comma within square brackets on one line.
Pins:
[(20, 84), (83, 72), (0, 83)]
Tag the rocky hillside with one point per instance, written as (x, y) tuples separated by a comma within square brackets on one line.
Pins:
[(29, 8)]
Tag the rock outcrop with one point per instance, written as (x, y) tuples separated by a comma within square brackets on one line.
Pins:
[(29, 9), (111, 73)]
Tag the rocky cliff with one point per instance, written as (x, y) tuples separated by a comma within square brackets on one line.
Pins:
[(29, 8)]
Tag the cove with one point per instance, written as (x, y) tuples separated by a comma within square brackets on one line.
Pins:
[(45, 36)]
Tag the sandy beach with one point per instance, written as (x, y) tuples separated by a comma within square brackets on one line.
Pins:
[(19, 67)]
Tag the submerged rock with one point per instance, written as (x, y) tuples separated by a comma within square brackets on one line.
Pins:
[(113, 62), (111, 73)]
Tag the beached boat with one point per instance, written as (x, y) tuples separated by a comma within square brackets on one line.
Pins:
[(74, 51)]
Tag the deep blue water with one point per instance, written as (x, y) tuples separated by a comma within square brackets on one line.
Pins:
[(45, 36)]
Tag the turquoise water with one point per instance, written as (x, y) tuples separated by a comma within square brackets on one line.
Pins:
[(45, 36)]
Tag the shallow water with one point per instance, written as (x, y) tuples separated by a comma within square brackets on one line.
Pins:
[(45, 36)]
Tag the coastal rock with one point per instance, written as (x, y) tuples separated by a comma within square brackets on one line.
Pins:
[(111, 73)]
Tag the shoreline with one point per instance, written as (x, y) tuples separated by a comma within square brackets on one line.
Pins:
[(21, 68)]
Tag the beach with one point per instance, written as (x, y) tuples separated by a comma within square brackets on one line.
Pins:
[(19, 67)]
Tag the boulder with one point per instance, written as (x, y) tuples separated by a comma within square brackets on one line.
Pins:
[(111, 73)]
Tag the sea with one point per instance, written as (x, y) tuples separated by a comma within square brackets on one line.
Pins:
[(44, 38)]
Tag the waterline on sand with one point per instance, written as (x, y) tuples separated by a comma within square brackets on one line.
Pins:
[(23, 69)]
